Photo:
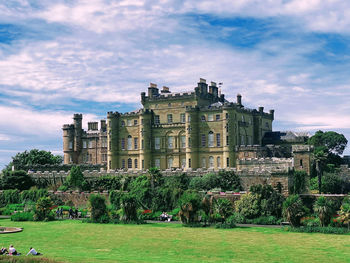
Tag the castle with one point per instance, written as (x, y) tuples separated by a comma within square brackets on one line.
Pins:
[(195, 129)]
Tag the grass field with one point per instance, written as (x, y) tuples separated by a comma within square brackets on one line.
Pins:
[(73, 241)]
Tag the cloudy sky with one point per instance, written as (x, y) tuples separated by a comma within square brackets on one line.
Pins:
[(93, 56)]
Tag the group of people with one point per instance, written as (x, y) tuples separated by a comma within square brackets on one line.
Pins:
[(165, 217), (13, 252), (72, 213)]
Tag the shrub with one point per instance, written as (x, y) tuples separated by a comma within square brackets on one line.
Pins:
[(323, 207), (227, 224), (98, 206), (9, 197), (293, 210), (332, 183), (141, 189), (190, 203), (43, 209), (229, 181), (299, 184), (344, 213), (129, 208), (114, 198), (264, 220), (224, 208), (23, 216), (17, 180), (248, 205), (75, 178), (33, 195)]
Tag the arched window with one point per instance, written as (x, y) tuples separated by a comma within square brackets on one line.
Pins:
[(129, 142), (135, 163), (123, 163), (211, 139), (129, 163), (211, 161), (170, 142), (170, 163), (202, 118)]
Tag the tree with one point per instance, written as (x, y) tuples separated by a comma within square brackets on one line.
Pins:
[(190, 203), (249, 206), (224, 208), (75, 178), (129, 206), (329, 141), (21, 161), (17, 180), (43, 209), (293, 210), (230, 181), (99, 212), (299, 184), (324, 209), (320, 158)]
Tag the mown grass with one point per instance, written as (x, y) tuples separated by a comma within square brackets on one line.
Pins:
[(73, 241)]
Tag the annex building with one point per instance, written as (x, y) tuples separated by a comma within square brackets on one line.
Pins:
[(194, 129)]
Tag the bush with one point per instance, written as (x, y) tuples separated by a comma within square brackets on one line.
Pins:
[(344, 213), (299, 184), (19, 180), (106, 183), (248, 205), (75, 178), (332, 183), (224, 208), (23, 216), (9, 197), (129, 208), (264, 220), (229, 181), (323, 207), (190, 204), (310, 221), (293, 210), (43, 209), (98, 206), (115, 198), (318, 229), (33, 195)]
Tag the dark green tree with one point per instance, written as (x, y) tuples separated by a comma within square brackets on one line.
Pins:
[(75, 178), (16, 180), (99, 212), (43, 209), (293, 210), (329, 142)]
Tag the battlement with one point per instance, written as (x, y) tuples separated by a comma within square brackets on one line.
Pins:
[(77, 116), (301, 148)]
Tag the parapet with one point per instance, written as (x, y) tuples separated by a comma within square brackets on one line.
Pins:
[(301, 148)]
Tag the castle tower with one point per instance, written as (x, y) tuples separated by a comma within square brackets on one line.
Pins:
[(192, 138), (113, 140), (145, 131)]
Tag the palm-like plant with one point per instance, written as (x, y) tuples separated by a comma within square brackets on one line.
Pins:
[(324, 209), (293, 210), (344, 213)]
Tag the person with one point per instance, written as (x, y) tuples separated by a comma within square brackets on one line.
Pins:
[(58, 212), (61, 212), (33, 252), (76, 213), (3, 251), (71, 216), (13, 251)]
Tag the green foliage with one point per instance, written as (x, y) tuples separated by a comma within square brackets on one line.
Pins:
[(224, 208), (344, 213), (106, 183), (115, 198), (75, 178), (32, 195), (331, 141), (190, 203), (129, 206), (23, 216), (141, 189), (332, 184), (323, 207), (299, 184), (229, 181), (248, 206), (229, 223), (43, 209), (99, 212), (9, 197), (318, 229), (33, 157), (293, 210), (16, 180)]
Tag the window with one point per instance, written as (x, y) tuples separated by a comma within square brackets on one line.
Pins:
[(182, 118), (170, 118), (104, 143), (189, 163), (189, 118), (217, 117), (170, 142), (129, 142), (90, 157), (210, 117), (211, 139), (183, 163), (110, 145), (157, 143), (135, 122), (211, 161), (123, 164), (227, 129), (70, 159), (218, 140), (243, 120), (123, 143), (136, 143), (183, 141), (84, 144), (218, 161), (135, 163), (267, 125), (170, 163), (70, 145), (129, 163), (228, 162), (226, 116), (110, 164), (301, 163), (204, 163), (142, 121), (203, 140), (242, 140), (202, 118), (129, 122), (90, 144), (142, 144), (123, 123), (189, 142), (227, 140), (156, 119), (157, 163), (143, 164)]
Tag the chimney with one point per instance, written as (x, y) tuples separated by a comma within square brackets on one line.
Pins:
[(153, 90), (103, 125), (92, 126), (261, 109), (213, 89), (202, 86), (165, 89), (239, 99), (272, 113)]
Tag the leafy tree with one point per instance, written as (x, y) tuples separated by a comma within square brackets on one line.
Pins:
[(293, 210), (142, 190), (43, 209), (33, 157), (299, 184), (99, 212), (320, 158), (75, 178), (17, 180), (329, 142), (190, 203), (332, 184), (154, 176), (224, 208), (248, 206), (229, 181), (324, 209), (129, 206)]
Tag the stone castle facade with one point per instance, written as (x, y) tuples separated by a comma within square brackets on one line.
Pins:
[(189, 130)]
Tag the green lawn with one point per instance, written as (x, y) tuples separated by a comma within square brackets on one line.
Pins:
[(73, 241)]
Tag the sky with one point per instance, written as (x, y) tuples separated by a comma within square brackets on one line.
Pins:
[(62, 57)]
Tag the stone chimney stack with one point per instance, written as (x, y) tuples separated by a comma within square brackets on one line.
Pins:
[(202, 86), (239, 99), (153, 90)]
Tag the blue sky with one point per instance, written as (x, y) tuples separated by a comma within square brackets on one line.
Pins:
[(93, 56)]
